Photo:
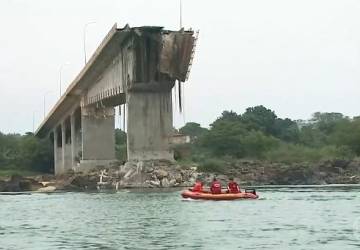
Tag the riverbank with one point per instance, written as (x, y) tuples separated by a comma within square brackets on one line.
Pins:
[(163, 174)]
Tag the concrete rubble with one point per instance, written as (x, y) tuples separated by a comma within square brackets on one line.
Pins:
[(143, 174)]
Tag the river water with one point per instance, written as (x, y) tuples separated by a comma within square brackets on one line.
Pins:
[(284, 218)]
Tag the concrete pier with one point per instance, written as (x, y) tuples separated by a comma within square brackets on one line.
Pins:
[(149, 139), (98, 148)]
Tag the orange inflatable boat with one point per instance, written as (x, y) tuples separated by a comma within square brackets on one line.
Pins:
[(219, 197)]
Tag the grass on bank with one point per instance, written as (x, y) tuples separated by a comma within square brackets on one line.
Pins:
[(292, 153), (285, 153)]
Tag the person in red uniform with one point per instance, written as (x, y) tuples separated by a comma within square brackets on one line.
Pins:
[(233, 187), (198, 186), (215, 187)]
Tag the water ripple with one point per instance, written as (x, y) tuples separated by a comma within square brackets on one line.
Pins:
[(282, 219)]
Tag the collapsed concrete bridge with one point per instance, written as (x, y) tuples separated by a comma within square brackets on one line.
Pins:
[(134, 68)]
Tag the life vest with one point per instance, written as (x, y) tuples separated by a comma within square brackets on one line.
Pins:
[(233, 187), (215, 187), (197, 187)]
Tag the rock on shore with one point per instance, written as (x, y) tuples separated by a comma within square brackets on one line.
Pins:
[(18, 183), (158, 174), (325, 172), (151, 174), (163, 174)]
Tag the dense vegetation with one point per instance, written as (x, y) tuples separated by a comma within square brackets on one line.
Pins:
[(27, 154), (260, 134), (24, 154), (256, 134), (120, 145)]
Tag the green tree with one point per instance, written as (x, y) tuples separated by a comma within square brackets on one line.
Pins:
[(224, 138), (326, 122), (286, 130), (35, 154), (193, 129), (259, 118), (9, 147), (120, 137), (256, 144), (311, 136), (230, 116), (347, 133), (120, 145)]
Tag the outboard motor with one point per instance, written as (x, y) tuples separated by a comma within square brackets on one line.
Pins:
[(251, 191)]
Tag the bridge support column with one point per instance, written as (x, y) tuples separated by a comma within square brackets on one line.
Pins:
[(76, 138), (98, 137), (67, 145), (58, 150), (149, 125), (73, 140), (63, 146), (56, 157)]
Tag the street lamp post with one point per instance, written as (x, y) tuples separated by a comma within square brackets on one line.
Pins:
[(85, 26), (33, 122), (48, 92), (60, 71), (180, 16)]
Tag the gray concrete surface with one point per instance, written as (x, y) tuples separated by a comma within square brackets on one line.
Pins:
[(150, 126), (98, 134)]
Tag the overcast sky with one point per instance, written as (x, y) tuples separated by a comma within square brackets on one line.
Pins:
[(294, 57)]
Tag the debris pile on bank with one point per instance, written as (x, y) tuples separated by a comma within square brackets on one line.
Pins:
[(143, 174)]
